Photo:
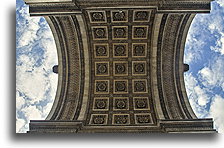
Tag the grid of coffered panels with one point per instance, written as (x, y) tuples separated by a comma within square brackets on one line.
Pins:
[(120, 64)]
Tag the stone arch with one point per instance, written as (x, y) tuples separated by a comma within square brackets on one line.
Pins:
[(90, 99)]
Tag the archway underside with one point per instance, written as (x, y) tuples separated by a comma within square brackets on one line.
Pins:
[(121, 70)]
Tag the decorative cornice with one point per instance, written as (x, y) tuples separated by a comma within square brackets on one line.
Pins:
[(66, 7)]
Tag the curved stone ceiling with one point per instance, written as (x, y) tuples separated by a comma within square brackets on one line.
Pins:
[(117, 32)]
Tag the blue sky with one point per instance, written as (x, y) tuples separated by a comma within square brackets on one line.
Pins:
[(36, 55), (204, 52)]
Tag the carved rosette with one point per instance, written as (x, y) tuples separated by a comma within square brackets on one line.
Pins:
[(99, 119), (120, 86), (143, 118), (139, 49), (100, 33), (141, 16), (102, 68), (102, 86), (141, 103), (140, 32), (120, 68), (101, 50), (97, 17), (139, 67), (121, 119), (119, 16), (120, 32), (140, 86), (101, 104), (121, 103)]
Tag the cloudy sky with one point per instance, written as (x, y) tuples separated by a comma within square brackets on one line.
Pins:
[(36, 55), (204, 52)]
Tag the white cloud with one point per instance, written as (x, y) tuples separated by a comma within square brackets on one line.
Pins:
[(19, 101), (220, 2), (193, 48), (46, 109), (35, 82), (217, 112), (195, 40), (213, 75), (199, 92), (219, 47), (31, 113), (206, 38), (199, 100), (20, 123), (202, 96), (197, 95), (28, 28), (205, 28), (216, 28)]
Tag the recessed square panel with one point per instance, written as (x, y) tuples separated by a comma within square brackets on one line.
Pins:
[(101, 51), (101, 87), (139, 32), (120, 86), (120, 50), (139, 49), (120, 68), (102, 68), (119, 32), (120, 103), (139, 86), (100, 33), (119, 16), (97, 16), (144, 118), (141, 16), (139, 68), (141, 103), (98, 119), (101, 104), (121, 119)]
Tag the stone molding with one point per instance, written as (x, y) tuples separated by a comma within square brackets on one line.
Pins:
[(66, 7)]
